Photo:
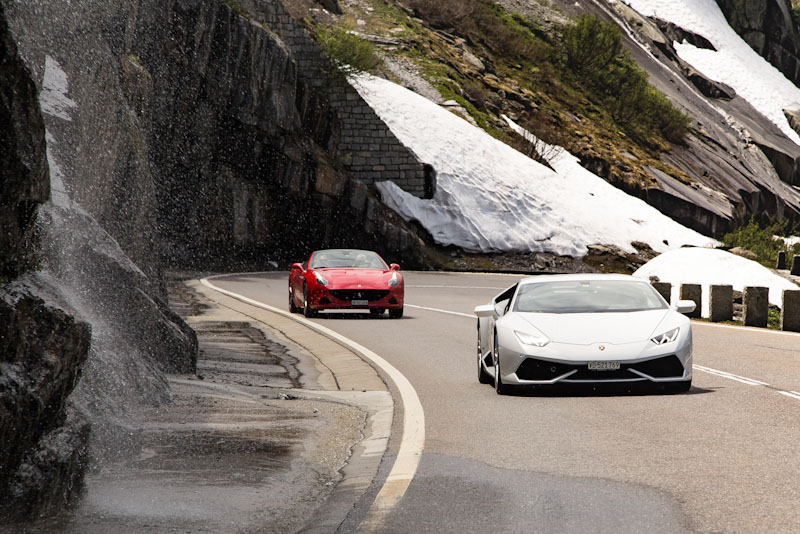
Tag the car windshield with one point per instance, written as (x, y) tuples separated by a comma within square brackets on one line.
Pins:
[(363, 259), (587, 296)]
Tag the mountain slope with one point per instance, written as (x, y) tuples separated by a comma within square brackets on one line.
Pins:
[(733, 164)]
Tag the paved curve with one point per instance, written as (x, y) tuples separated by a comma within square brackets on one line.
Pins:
[(722, 458)]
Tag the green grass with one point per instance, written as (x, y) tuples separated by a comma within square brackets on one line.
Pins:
[(238, 9), (774, 319)]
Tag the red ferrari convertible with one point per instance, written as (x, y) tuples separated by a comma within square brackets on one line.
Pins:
[(346, 279)]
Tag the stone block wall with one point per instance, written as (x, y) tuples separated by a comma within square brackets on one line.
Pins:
[(364, 143), (692, 292)]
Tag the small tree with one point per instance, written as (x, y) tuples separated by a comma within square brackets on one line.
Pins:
[(591, 44)]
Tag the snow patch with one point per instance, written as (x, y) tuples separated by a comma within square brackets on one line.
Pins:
[(707, 267), (53, 98), (54, 102), (490, 197)]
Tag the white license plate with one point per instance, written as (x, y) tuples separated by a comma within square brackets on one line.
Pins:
[(603, 366), (359, 302)]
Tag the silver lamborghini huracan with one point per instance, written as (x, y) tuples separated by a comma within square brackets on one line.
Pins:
[(583, 328)]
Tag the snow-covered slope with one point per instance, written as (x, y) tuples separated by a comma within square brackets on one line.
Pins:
[(733, 63), (708, 266), (489, 197)]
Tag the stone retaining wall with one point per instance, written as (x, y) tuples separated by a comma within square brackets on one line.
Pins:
[(365, 145)]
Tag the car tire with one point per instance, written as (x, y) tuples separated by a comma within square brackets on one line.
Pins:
[(680, 387), (499, 387), (376, 312), (483, 376), (307, 311), (396, 314), (292, 307)]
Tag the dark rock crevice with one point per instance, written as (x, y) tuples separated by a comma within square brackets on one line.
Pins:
[(768, 27), (23, 166)]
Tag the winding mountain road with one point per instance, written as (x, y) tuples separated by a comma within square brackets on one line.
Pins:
[(721, 458)]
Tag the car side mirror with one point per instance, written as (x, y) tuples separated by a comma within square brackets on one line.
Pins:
[(685, 306), (394, 267), (297, 266), (487, 310)]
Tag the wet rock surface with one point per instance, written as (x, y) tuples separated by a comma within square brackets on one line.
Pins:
[(44, 441), (23, 166)]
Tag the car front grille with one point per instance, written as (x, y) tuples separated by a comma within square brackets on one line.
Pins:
[(360, 294), (664, 367)]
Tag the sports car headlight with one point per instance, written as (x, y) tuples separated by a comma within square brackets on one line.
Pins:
[(528, 339), (666, 337), (321, 280), (394, 280)]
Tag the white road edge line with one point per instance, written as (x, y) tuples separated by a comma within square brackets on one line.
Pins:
[(746, 329), (792, 394), (412, 441), (730, 376), (470, 315)]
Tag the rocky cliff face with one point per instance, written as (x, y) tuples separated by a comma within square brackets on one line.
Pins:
[(23, 166), (43, 440), (84, 331), (245, 149), (175, 132), (739, 168), (767, 26)]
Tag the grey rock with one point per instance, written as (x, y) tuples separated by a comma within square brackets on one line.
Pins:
[(768, 27), (23, 165), (756, 306), (720, 303), (790, 311)]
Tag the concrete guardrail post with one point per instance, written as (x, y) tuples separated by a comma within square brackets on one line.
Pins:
[(720, 303), (790, 310), (781, 260), (692, 292), (756, 306), (796, 265), (665, 289)]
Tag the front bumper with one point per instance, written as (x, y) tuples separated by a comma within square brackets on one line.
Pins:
[(323, 298), (638, 363)]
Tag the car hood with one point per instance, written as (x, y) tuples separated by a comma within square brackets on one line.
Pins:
[(589, 328), (351, 278)]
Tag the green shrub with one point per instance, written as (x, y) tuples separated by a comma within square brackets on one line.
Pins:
[(593, 50), (591, 44), (758, 240), (349, 53), (482, 21), (238, 9)]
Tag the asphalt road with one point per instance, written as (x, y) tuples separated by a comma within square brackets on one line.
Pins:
[(721, 458)]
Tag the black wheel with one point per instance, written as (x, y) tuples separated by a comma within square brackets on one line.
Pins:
[(396, 314), (307, 311), (292, 307), (499, 387), (679, 387), (483, 376), (376, 312)]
